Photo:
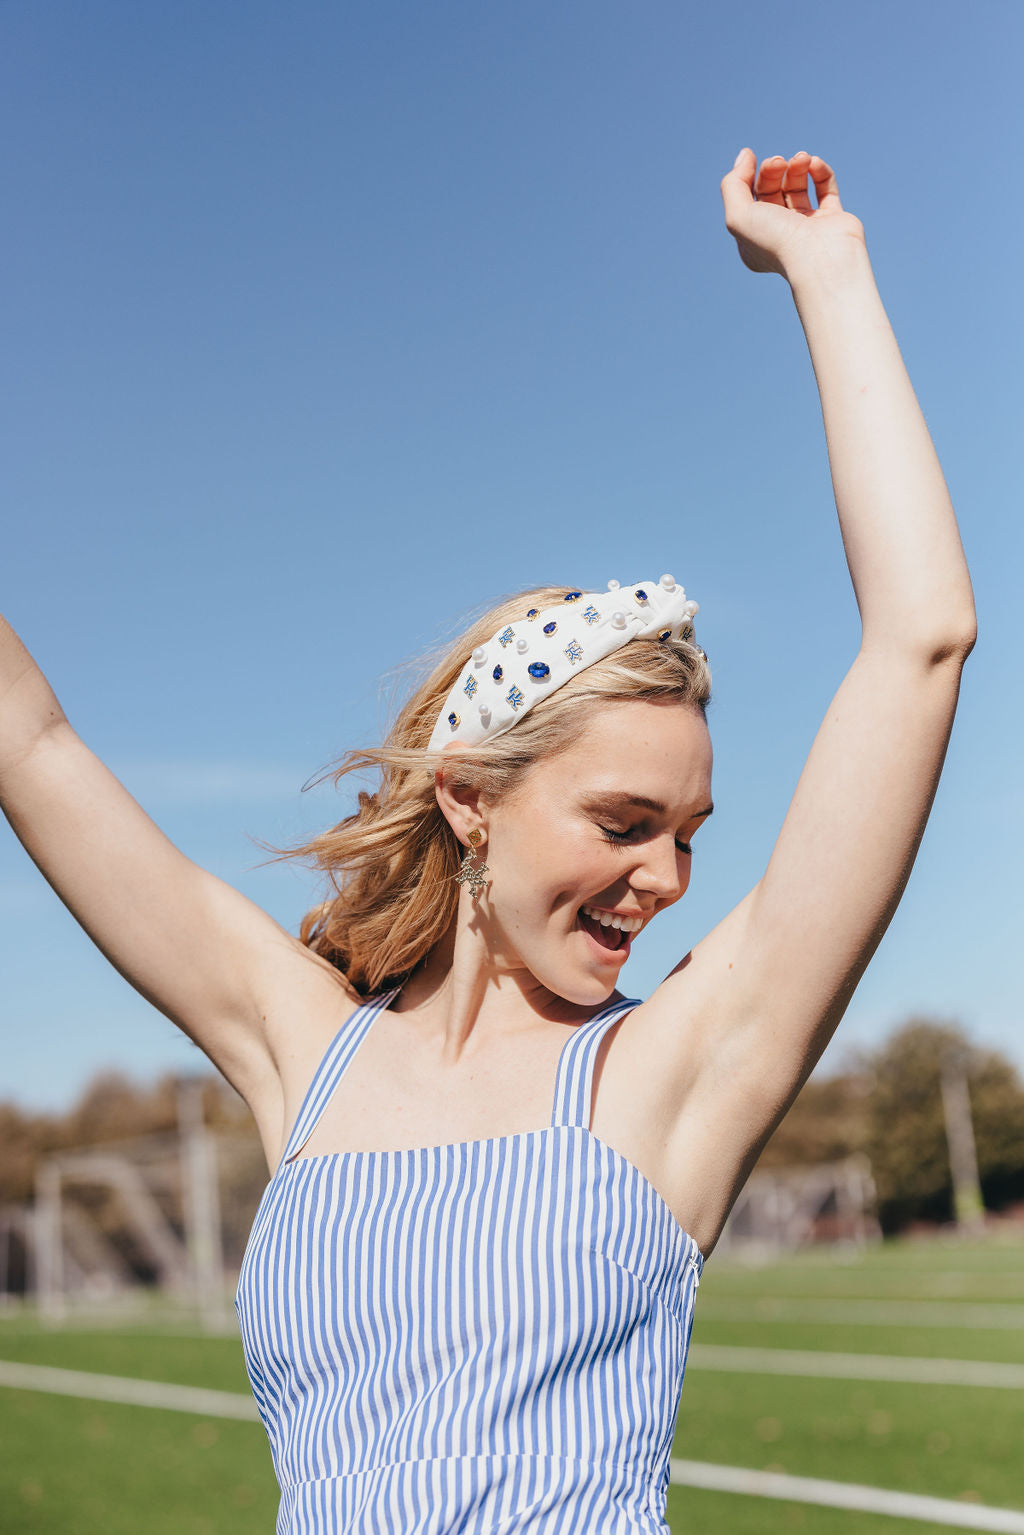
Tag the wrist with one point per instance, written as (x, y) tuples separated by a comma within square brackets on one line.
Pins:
[(841, 264)]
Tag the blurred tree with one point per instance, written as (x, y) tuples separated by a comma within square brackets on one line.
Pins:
[(888, 1103), (906, 1138), (114, 1111), (22, 1138), (828, 1121), (997, 1100), (114, 1108), (906, 1131)]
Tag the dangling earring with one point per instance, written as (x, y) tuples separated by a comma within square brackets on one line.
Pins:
[(468, 873)]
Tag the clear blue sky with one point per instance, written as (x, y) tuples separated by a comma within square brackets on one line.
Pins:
[(302, 300)]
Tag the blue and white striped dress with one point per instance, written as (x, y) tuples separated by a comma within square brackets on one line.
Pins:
[(488, 1336)]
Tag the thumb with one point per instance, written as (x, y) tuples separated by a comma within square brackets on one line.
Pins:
[(738, 185)]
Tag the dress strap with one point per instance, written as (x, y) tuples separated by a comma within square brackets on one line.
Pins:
[(332, 1068), (575, 1080)]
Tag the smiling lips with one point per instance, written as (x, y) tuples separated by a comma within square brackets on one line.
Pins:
[(609, 929), (613, 919)]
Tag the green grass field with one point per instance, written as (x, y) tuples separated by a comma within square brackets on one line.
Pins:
[(95, 1468)]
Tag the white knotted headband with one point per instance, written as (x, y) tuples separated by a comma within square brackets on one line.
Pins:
[(527, 660)]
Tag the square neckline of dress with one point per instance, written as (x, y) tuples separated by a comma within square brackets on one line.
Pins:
[(292, 1159)]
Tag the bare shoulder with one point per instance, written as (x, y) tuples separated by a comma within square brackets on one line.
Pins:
[(305, 1001)]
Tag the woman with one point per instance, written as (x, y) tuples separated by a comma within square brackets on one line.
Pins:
[(467, 1298)]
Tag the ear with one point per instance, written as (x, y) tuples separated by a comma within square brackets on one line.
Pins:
[(461, 802)]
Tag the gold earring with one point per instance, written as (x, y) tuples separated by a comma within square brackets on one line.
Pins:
[(468, 873)]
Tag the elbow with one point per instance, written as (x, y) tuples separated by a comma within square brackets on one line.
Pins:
[(929, 645), (952, 647)]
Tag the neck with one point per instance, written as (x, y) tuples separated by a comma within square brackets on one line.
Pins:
[(469, 997)]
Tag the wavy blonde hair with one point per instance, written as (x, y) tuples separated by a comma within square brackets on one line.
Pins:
[(390, 865)]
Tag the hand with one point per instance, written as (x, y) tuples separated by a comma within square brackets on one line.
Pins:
[(771, 218)]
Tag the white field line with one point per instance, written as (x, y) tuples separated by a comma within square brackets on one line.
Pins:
[(687, 1473), (702, 1356), (121, 1388), (849, 1283), (870, 1500), (881, 1313), (794, 1361)]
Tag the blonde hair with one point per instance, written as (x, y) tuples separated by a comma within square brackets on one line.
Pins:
[(390, 865)]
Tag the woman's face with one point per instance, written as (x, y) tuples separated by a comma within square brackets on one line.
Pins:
[(603, 830)]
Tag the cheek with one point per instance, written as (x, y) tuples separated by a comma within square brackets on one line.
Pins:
[(520, 871), (545, 867)]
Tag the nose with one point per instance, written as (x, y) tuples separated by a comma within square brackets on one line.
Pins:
[(664, 871)]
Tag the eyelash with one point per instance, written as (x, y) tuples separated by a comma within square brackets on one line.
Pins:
[(618, 838)]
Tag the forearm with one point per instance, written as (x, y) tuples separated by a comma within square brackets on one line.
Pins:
[(897, 521), (28, 707)]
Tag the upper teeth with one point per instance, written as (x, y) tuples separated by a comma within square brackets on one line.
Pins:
[(609, 919)]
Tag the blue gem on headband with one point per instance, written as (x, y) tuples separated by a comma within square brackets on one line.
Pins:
[(470, 687), (497, 674), (640, 594), (550, 628), (514, 698), (454, 721), (572, 596), (506, 637), (591, 614), (539, 670), (533, 613), (574, 650), (663, 634)]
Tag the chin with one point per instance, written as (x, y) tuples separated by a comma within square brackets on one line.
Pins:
[(577, 968), (592, 995), (581, 988)]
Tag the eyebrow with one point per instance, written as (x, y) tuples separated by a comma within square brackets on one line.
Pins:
[(622, 799)]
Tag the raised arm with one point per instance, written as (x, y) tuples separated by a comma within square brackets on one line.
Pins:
[(898, 526), (202, 953), (771, 982)]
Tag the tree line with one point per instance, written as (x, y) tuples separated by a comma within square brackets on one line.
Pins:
[(886, 1102)]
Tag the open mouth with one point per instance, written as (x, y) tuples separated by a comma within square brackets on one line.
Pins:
[(606, 935)]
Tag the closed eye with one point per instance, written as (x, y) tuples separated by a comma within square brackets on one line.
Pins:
[(613, 835), (617, 838)]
